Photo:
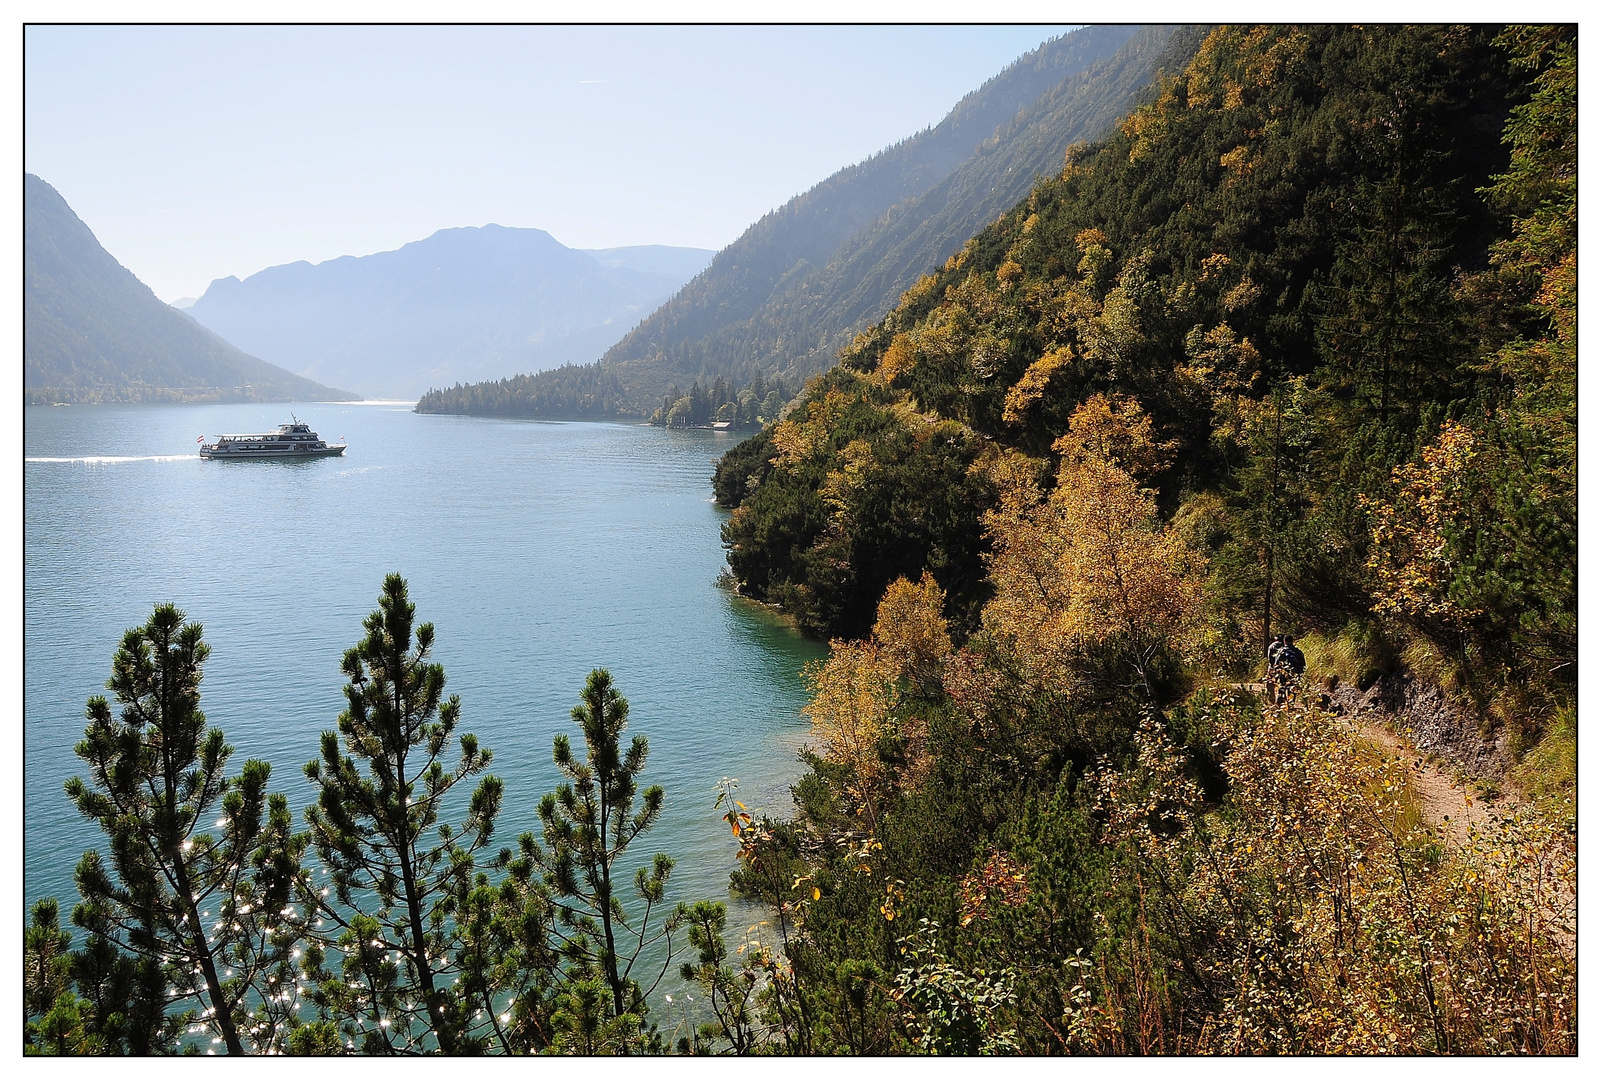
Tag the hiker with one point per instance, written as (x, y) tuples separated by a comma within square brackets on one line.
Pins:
[(1274, 650), (1291, 657)]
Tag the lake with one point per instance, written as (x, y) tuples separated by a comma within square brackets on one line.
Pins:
[(538, 550)]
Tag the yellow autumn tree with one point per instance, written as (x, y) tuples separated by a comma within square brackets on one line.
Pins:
[(912, 632), (852, 693), (1031, 387), (898, 360), (1412, 561), (1092, 564), (857, 692)]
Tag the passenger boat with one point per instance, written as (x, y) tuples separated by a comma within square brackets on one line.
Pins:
[(293, 441)]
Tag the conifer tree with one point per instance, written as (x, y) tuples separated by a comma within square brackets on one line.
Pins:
[(1271, 492), (731, 995), (46, 960), (1525, 569), (507, 959), (53, 1018), (119, 1007), (208, 911), (589, 823), (394, 890), (123, 996)]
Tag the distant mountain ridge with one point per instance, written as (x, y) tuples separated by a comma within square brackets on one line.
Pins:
[(790, 292), (460, 304), (676, 262), (92, 331)]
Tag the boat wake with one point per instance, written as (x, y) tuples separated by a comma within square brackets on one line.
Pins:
[(107, 459)]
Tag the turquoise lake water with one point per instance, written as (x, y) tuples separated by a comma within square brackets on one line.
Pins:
[(538, 550)]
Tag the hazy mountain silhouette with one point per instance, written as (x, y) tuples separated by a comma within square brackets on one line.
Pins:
[(462, 304), (674, 262), (94, 332)]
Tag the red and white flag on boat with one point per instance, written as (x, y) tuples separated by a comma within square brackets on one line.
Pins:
[(200, 438)]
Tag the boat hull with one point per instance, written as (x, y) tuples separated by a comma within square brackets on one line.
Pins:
[(270, 455)]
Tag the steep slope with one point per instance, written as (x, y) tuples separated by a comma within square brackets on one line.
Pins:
[(785, 296), (815, 309), (1283, 261), (1294, 350), (803, 234), (462, 304), (93, 332)]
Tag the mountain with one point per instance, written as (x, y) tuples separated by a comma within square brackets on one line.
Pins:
[(94, 332), (1290, 277), (789, 293), (1293, 351), (462, 304)]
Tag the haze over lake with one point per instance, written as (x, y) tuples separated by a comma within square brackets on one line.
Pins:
[(538, 550)]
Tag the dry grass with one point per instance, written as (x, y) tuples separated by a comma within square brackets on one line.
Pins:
[(1359, 653), (1550, 772)]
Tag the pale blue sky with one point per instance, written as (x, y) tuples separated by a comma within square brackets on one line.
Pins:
[(198, 152)]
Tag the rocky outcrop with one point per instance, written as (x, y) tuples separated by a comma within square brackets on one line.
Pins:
[(1435, 723)]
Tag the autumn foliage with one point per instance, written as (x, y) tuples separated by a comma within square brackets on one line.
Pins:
[(1091, 563), (1320, 913), (1292, 350)]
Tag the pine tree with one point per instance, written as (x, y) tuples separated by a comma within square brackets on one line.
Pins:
[(46, 960), (507, 959), (1270, 494), (53, 1018), (124, 996), (120, 1004), (209, 911), (700, 406), (393, 891), (730, 995), (1389, 332), (589, 824)]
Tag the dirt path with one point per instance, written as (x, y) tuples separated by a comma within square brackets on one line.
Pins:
[(1452, 807), (1449, 803), (1446, 803)]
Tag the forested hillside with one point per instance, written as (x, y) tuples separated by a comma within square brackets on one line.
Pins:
[(1292, 351), (788, 294), (94, 332)]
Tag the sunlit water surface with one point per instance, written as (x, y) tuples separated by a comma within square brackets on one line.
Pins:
[(538, 550)]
